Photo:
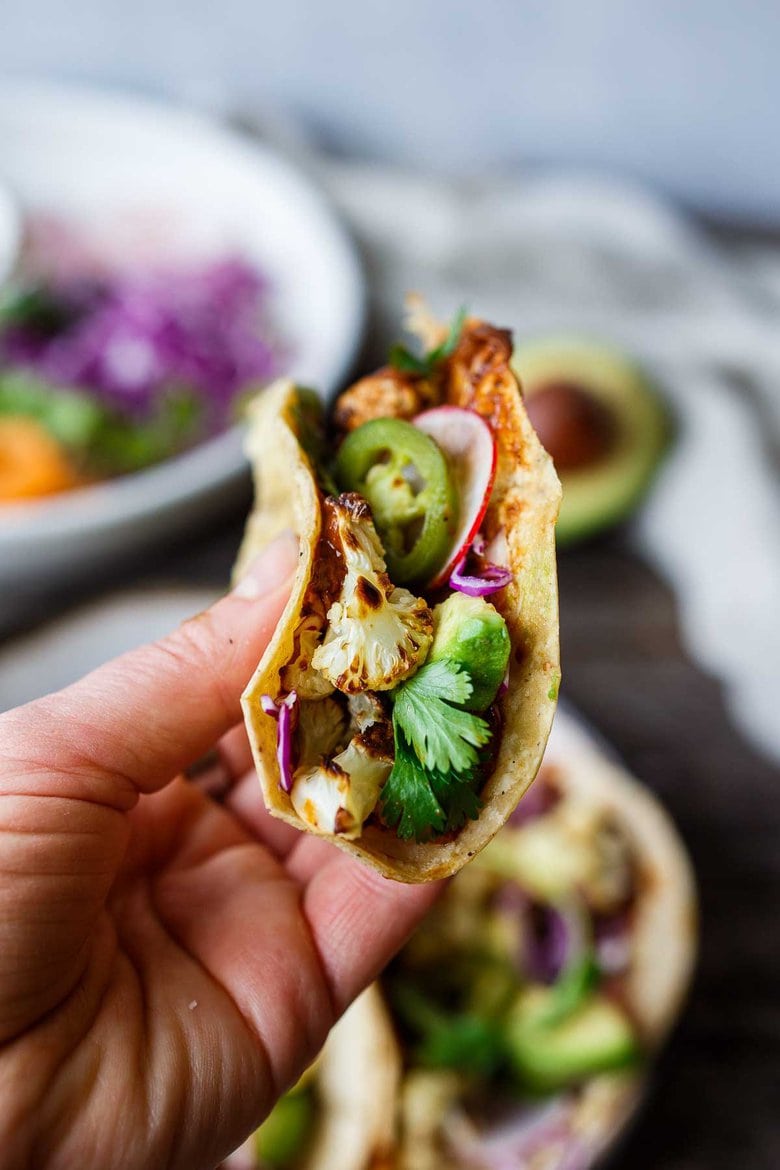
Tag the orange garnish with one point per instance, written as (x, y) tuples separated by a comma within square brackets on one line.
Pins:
[(32, 463)]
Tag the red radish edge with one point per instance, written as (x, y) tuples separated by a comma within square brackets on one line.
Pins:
[(470, 447)]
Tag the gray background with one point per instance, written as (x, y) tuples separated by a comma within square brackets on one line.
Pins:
[(684, 94)]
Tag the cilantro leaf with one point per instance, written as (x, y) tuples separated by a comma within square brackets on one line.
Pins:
[(431, 788), (458, 796), (408, 801), (461, 1040), (447, 347), (406, 362), (444, 737), (467, 1043), (420, 803), (37, 309), (574, 985)]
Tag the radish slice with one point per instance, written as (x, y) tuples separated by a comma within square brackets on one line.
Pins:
[(467, 442)]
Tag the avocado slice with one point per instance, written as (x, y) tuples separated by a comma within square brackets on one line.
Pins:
[(284, 1133), (472, 633), (548, 1052), (609, 413)]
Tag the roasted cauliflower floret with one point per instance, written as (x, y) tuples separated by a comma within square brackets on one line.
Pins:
[(388, 393), (366, 709), (322, 730), (336, 796), (299, 675), (571, 848), (377, 635)]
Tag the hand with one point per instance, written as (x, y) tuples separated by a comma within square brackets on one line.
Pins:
[(168, 965)]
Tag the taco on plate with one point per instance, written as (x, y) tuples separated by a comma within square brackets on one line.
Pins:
[(532, 997), (403, 705)]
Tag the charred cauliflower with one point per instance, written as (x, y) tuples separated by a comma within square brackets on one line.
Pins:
[(298, 675), (336, 796), (367, 709), (386, 394), (321, 731), (377, 634)]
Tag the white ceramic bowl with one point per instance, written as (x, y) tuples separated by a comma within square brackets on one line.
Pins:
[(10, 231), (90, 155)]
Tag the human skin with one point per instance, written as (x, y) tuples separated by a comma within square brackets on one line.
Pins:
[(168, 964)]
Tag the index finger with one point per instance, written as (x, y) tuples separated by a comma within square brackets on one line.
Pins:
[(358, 918)]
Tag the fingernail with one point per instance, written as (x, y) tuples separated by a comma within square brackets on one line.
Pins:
[(270, 568)]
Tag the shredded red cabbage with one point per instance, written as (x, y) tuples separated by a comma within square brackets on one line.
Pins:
[(282, 712), (552, 942), (551, 939), (129, 336), (487, 579)]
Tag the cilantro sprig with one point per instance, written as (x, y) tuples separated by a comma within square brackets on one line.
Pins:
[(431, 788), (465, 1041), (444, 737), (406, 362)]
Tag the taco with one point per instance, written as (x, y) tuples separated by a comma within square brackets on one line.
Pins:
[(532, 997), (341, 1114), (404, 702)]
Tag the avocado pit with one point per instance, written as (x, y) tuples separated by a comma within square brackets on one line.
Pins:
[(573, 425)]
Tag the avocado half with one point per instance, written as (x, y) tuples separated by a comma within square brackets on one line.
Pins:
[(601, 493)]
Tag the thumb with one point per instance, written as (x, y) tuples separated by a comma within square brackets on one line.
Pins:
[(147, 715)]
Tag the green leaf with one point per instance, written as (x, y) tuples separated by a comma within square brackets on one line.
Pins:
[(458, 796), (406, 362), (35, 308), (431, 788), (73, 417), (419, 802), (444, 737), (442, 679), (574, 985), (408, 801), (460, 1040), (466, 1043), (101, 440), (308, 414), (447, 347)]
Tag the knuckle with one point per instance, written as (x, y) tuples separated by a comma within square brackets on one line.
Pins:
[(196, 651)]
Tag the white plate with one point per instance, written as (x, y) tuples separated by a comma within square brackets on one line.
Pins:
[(91, 155)]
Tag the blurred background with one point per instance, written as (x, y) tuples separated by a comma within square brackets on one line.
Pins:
[(605, 180), (681, 96)]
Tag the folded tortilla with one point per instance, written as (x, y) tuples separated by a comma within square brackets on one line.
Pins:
[(523, 508), (358, 1080)]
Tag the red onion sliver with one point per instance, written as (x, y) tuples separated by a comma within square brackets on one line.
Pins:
[(269, 706), (284, 748), (490, 580), (282, 713)]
